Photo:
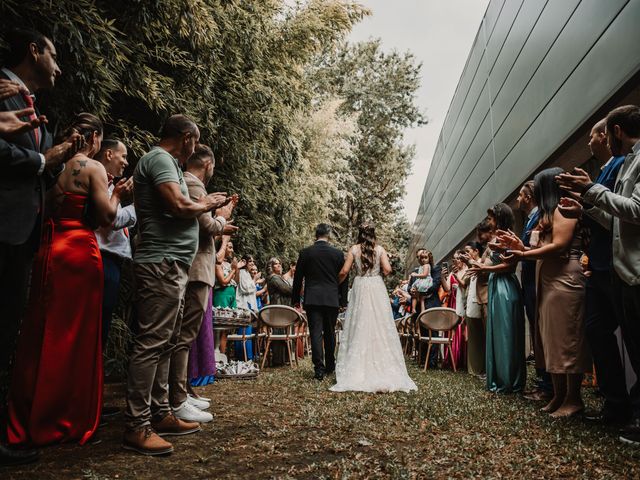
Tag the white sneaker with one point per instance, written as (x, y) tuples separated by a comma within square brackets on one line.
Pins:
[(200, 397), (189, 413), (198, 402)]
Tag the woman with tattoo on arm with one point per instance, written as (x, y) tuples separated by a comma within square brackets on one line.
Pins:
[(56, 394)]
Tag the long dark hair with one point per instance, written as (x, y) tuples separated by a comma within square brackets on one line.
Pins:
[(367, 241), (503, 215), (547, 194)]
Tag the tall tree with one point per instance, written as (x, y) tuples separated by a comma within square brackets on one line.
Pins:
[(379, 88)]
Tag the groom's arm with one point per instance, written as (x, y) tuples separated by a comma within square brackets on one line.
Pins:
[(297, 280), (343, 289)]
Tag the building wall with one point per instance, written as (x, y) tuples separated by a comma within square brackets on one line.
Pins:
[(538, 72)]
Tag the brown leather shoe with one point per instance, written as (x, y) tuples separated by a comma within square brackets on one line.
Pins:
[(172, 425), (145, 441)]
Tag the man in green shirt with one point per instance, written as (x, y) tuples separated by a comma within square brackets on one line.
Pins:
[(168, 244)]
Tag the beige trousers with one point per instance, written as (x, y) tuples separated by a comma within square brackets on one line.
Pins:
[(195, 304), (160, 289)]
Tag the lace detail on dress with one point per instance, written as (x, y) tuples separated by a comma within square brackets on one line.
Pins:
[(370, 357), (375, 270)]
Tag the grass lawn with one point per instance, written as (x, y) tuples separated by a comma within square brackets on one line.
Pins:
[(287, 425)]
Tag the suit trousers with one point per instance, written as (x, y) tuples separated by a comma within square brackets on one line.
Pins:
[(195, 304), (322, 325), (160, 289), (15, 269), (531, 309), (630, 325), (111, 267), (601, 321)]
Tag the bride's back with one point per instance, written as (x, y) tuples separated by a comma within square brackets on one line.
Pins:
[(356, 250)]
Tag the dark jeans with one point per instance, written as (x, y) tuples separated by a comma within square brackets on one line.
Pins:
[(322, 324), (112, 266), (15, 269), (601, 321), (630, 324)]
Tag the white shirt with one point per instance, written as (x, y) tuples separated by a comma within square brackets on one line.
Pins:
[(14, 78), (113, 239)]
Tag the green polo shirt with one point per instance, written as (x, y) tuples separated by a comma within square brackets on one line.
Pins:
[(162, 236)]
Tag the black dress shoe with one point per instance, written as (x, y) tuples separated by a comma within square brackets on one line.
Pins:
[(9, 457), (109, 412), (319, 376), (630, 434), (605, 417)]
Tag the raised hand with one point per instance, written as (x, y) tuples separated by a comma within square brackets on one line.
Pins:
[(570, 208), (59, 154), (214, 200), (124, 188), (577, 181), (12, 123), (507, 240)]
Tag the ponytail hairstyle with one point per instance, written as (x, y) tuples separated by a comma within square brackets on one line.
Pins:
[(367, 241), (547, 193)]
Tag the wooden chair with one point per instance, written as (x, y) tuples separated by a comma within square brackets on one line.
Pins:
[(244, 338), (441, 320), (280, 317)]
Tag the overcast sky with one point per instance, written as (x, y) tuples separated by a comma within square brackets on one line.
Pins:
[(440, 34)]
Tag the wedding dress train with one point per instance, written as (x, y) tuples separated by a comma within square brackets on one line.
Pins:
[(370, 357)]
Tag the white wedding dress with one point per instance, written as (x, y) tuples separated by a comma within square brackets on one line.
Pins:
[(370, 357)]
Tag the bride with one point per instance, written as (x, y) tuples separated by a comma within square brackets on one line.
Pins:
[(370, 357)]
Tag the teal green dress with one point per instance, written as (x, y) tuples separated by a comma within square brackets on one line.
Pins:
[(225, 296), (505, 356)]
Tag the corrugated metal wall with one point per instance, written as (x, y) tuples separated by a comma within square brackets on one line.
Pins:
[(537, 71)]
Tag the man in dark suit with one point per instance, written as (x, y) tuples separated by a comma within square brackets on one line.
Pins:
[(319, 265), (29, 166)]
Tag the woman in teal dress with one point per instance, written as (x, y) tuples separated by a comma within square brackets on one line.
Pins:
[(505, 349)]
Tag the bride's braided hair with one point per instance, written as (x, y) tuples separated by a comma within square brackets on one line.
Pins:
[(367, 241)]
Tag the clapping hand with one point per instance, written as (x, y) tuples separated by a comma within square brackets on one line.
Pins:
[(507, 240), (577, 181), (229, 229), (124, 188), (241, 264), (570, 208), (59, 154)]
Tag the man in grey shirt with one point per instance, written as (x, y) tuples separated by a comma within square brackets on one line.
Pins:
[(619, 211), (167, 218)]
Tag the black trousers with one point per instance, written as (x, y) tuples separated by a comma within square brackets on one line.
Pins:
[(630, 325), (15, 269), (322, 325), (602, 316), (531, 309)]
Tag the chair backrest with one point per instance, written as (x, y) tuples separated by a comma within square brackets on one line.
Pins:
[(441, 319), (279, 316)]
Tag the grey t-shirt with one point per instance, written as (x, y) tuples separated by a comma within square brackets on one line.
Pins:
[(162, 236)]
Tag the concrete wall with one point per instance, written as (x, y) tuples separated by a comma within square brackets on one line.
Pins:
[(538, 71)]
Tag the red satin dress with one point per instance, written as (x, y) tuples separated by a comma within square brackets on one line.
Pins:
[(56, 389), (459, 345)]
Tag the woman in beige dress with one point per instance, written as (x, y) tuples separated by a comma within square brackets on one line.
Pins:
[(561, 290)]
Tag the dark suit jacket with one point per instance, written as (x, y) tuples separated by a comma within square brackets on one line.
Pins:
[(21, 188), (319, 266)]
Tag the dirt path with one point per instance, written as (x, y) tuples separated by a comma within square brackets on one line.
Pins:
[(286, 425)]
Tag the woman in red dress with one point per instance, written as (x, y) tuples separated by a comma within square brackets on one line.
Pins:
[(457, 300), (56, 390)]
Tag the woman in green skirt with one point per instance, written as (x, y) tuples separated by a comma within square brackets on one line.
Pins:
[(505, 356)]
